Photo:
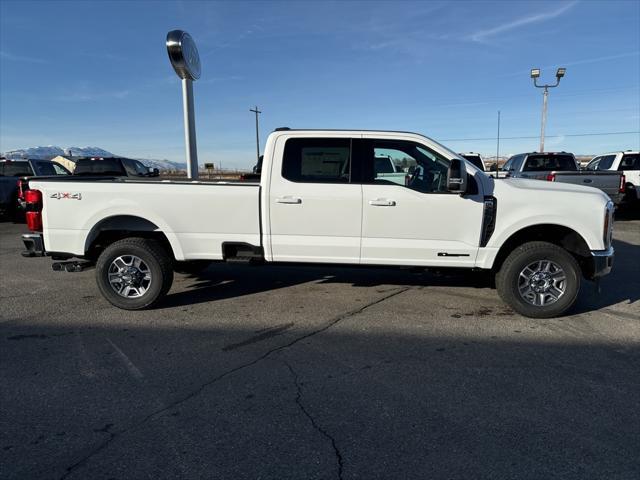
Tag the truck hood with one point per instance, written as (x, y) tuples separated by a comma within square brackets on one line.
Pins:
[(539, 187), (524, 202)]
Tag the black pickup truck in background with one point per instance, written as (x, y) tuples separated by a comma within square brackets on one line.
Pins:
[(113, 167), (11, 174)]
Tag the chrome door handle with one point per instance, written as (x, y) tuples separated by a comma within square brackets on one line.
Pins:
[(382, 202), (288, 199)]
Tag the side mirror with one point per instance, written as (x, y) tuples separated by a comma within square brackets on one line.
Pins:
[(156, 172), (457, 177)]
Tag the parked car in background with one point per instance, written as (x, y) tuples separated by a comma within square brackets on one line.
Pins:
[(113, 167), (475, 159), (11, 171), (562, 167), (626, 162)]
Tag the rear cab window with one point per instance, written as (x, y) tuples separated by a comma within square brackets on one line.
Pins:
[(629, 161), (546, 162), (16, 169), (104, 166)]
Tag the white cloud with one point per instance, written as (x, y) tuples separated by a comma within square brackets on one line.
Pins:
[(20, 58), (482, 35)]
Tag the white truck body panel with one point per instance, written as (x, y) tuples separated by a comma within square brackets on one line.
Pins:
[(349, 223), (195, 217)]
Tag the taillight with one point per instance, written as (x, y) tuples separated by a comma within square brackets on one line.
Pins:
[(33, 207), (623, 182), (551, 177), (20, 191)]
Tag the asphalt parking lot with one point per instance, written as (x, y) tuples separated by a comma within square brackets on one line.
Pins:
[(316, 373)]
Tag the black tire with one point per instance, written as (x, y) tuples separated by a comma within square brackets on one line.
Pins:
[(157, 261), (191, 267), (508, 279)]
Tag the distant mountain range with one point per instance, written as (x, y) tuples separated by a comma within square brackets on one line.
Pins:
[(52, 151)]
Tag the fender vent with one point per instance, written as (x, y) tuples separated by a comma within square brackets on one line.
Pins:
[(488, 219)]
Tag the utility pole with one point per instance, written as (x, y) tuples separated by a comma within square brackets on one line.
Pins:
[(535, 74), (498, 144), (257, 112)]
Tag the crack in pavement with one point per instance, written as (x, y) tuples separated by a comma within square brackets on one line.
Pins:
[(113, 435), (315, 425)]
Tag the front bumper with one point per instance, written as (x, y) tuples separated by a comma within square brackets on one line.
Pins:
[(602, 262), (34, 244)]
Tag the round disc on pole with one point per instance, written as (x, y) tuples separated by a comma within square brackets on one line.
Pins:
[(183, 54)]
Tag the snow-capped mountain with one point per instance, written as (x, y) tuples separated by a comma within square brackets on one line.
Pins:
[(47, 153)]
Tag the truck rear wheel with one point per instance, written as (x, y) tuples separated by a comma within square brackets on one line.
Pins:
[(134, 273), (539, 280)]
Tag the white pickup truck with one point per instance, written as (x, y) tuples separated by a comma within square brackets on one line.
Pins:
[(320, 200), (626, 162)]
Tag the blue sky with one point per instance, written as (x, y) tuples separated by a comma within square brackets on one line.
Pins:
[(97, 73)]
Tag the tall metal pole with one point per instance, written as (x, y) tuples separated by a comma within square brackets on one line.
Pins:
[(257, 112), (190, 128), (498, 143), (545, 97)]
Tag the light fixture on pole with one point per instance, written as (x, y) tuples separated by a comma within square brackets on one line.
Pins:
[(185, 60), (535, 74)]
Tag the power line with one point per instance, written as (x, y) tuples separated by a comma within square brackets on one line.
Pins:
[(536, 136)]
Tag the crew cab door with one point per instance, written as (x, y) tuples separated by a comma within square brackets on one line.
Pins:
[(420, 223), (314, 211)]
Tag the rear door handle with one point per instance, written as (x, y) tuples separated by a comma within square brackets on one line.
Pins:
[(288, 199), (588, 180), (382, 202)]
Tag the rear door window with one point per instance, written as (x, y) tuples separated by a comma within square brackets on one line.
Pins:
[(630, 162), (317, 160), (542, 163)]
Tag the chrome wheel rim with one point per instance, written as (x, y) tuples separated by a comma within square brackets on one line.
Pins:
[(129, 276), (542, 283)]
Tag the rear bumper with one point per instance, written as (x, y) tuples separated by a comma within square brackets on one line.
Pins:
[(602, 262), (34, 245)]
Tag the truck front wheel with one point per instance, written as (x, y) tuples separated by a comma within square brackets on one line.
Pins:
[(134, 273), (539, 280)]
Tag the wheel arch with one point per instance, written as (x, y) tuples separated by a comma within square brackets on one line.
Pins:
[(560, 235), (118, 227)]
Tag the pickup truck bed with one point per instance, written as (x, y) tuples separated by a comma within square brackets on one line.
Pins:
[(608, 182), (203, 214)]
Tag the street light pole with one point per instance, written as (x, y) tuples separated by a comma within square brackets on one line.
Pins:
[(257, 112), (535, 74)]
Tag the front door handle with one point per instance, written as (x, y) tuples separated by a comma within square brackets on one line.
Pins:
[(289, 199), (382, 202)]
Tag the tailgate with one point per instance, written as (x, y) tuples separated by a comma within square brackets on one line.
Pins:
[(608, 182)]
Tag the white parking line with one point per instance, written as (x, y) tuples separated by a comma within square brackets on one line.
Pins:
[(133, 370)]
